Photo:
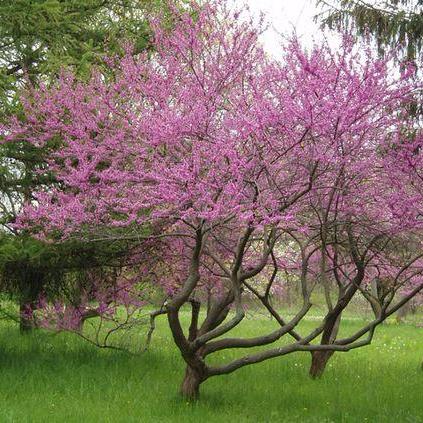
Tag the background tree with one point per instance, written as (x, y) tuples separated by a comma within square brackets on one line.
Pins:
[(392, 23)]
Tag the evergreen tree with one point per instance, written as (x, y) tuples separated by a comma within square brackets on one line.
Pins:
[(38, 38), (391, 22)]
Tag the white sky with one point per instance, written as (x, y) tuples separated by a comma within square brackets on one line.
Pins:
[(284, 16)]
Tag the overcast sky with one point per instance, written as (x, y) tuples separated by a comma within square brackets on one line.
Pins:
[(283, 16)]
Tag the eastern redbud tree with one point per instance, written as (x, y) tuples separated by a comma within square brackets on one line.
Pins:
[(242, 171)]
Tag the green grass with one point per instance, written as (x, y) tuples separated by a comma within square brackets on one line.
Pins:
[(61, 378)]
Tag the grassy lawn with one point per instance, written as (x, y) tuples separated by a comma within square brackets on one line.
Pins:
[(49, 378)]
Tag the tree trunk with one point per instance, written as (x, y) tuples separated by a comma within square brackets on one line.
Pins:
[(376, 308), (26, 318), (319, 360), (190, 388), (406, 309)]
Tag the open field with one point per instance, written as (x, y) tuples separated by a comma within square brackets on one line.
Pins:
[(53, 378)]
